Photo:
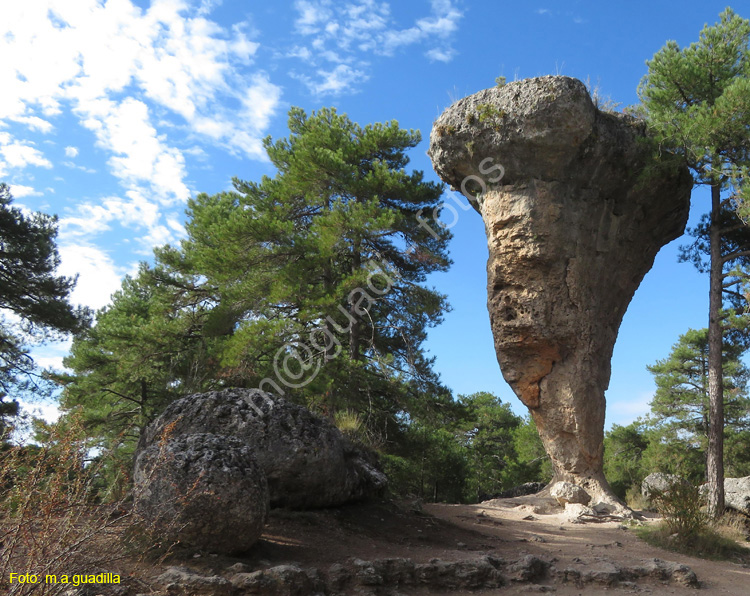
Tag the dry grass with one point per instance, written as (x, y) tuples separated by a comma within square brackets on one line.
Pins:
[(50, 523), (686, 527), (709, 543)]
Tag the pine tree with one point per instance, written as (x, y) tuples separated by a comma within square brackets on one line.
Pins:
[(309, 283), (680, 410), (623, 452), (36, 299), (146, 349), (696, 101), (490, 442)]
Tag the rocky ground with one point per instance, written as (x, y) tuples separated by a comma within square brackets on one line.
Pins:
[(504, 546)]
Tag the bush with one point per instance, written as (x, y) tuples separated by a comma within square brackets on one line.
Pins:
[(682, 507), (634, 499), (686, 527), (50, 523)]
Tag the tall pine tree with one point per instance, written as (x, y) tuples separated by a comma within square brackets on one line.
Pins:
[(311, 283), (695, 99), (327, 258), (36, 299), (680, 412)]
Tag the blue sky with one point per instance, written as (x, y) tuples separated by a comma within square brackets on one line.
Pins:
[(113, 113)]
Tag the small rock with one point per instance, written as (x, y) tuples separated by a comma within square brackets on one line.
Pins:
[(239, 568), (566, 492), (669, 571), (185, 582), (737, 494), (658, 482), (338, 577), (283, 580), (604, 573), (529, 568), (535, 538), (574, 511)]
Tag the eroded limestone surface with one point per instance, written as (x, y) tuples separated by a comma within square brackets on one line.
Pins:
[(572, 227)]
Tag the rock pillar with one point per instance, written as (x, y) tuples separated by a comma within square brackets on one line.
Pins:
[(576, 203)]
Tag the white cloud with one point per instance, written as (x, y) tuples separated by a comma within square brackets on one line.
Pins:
[(18, 191), (18, 155), (98, 278), (49, 412), (207, 6), (115, 65), (73, 166), (35, 123), (196, 151), (135, 212), (140, 156), (343, 78), (440, 54), (71, 151), (624, 411), (301, 52), (337, 36), (242, 47), (312, 14), (240, 129), (50, 355)]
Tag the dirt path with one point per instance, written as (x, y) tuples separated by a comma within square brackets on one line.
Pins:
[(507, 529), (520, 526)]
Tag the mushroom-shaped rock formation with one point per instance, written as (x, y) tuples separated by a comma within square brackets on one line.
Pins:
[(575, 205)]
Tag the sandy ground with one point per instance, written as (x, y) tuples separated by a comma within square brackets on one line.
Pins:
[(573, 544), (506, 528)]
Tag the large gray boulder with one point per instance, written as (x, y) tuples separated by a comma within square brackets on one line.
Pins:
[(307, 461), (575, 206), (658, 482), (737, 494), (203, 491)]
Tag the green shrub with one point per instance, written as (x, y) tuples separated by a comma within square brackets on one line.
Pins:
[(682, 507)]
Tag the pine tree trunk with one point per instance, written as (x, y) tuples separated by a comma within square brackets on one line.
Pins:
[(356, 323), (715, 456)]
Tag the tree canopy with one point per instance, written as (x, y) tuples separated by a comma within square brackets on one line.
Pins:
[(697, 102), (309, 283), (34, 301), (680, 412)]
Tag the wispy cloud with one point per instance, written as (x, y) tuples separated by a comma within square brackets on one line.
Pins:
[(139, 157), (341, 37), (135, 78), (335, 81), (19, 191), (35, 123), (546, 12), (17, 155)]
